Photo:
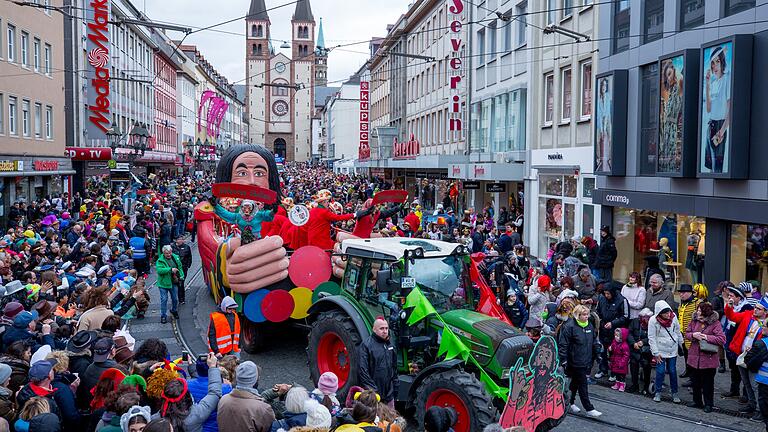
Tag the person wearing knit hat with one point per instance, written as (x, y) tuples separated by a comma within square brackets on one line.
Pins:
[(224, 329), (539, 296), (244, 408), (136, 415), (325, 393), (10, 311)]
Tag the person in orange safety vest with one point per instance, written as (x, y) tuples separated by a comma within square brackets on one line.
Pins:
[(224, 329)]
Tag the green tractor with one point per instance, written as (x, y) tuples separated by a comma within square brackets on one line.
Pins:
[(379, 275)]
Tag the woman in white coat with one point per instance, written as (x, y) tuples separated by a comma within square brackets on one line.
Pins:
[(664, 337)]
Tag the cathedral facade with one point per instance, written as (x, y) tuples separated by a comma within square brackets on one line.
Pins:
[(280, 90)]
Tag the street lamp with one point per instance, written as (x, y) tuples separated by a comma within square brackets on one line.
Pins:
[(114, 135)]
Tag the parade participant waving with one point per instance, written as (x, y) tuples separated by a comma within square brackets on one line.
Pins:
[(320, 219)]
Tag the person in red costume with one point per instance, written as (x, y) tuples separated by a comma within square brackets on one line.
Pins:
[(227, 263), (371, 215), (320, 219)]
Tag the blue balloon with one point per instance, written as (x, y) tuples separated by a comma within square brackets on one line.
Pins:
[(252, 305)]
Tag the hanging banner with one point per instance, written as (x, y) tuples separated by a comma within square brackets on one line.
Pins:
[(97, 70), (364, 149)]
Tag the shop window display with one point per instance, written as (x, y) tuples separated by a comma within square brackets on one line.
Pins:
[(557, 209), (749, 254), (677, 241)]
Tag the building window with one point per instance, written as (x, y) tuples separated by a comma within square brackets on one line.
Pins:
[(38, 120), (491, 41), (522, 23), (481, 44), (25, 126), (691, 14), (621, 26), (557, 209), (11, 43), (653, 24), (731, 7), (551, 9), (25, 49), (36, 54), (565, 95), (649, 118), (49, 122), (586, 90), (749, 244), (12, 115), (567, 8), (47, 59), (549, 98)]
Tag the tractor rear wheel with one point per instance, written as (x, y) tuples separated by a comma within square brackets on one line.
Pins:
[(461, 391), (333, 345), (252, 335)]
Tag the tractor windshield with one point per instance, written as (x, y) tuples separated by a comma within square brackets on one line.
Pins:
[(443, 281)]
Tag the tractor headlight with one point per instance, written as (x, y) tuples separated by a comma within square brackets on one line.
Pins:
[(418, 253), (460, 250)]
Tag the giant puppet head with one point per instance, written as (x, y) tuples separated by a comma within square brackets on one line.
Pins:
[(249, 164)]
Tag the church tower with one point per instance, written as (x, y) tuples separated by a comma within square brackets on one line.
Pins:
[(321, 58), (303, 67), (258, 53)]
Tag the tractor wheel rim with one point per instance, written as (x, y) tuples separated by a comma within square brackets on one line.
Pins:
[(447, 398), (332, 356)]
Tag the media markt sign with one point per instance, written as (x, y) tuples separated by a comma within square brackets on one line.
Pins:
[(98, 67)]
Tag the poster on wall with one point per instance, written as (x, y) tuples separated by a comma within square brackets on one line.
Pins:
[(726, 75), (678, 81), (611, 123)]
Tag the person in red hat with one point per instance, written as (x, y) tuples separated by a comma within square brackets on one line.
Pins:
[(320, 220), (539, 295)]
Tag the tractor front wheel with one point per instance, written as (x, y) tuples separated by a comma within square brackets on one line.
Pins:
[(333, 345), (461, 391), (252, 335)]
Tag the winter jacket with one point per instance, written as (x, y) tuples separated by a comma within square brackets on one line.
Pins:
[(614, 311), (65, 399), (742, 320), (289, 420), (7, 407), (577, 345), (664, 341), (378, 367), (79, 362), (638, 334), (202, 409), (537, 301), (662, 294), (685, 314), (31, 390), (163, 267), (619, 354), (606, 253), (244, 411), (112, 426), (93, 318), (587, 290), (711, 327), (19, 372), (89, 380), (517, 313), (635, 296), (184, 252), (198, 388), (46, 422), (14, 334)]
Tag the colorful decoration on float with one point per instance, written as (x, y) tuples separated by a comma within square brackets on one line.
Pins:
[(243, 191), (298, 215), (309, 267), (536, 390), (396, 196), (450, 344)]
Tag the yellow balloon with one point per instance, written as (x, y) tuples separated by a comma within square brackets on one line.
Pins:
[(302, 300)]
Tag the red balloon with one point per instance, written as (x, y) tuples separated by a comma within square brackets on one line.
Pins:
[(277, 306), (309, 267)]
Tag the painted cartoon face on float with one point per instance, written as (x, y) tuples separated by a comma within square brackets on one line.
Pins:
[(251, 169)]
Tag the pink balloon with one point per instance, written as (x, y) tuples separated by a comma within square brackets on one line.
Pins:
[(309, 267)]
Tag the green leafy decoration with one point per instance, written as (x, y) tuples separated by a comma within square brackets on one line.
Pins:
[(422, 308), (452, 346)]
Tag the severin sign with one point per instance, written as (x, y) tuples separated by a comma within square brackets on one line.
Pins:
[(97, 46), (364, 149), (456, 9)]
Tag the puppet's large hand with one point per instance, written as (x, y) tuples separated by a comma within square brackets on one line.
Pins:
[(255, 265)]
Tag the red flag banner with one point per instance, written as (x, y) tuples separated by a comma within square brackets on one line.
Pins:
[(398, 196), (251, 192)]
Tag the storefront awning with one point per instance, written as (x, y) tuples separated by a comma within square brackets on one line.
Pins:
[(35, 173)]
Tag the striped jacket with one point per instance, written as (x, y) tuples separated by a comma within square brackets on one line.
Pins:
[(685, 314)]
